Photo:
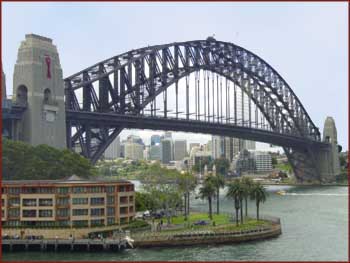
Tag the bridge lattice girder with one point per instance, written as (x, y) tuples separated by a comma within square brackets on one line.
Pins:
[(127, 83)]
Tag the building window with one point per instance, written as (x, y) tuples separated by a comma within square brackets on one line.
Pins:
[(14, 201), (14, 190), (123, 210), (79, 189), (46, 190), (62, 201), (97, 212), (13, 223), (80, 212), (80, 223), (63, 223), (14, 212), (2, 202), (123, 200), (121, 188), (95, 189), (80, 201), (110, 189), (131, 209), (29, 213), (110, 211), (29, 190), (97, 222), (62, 212), (45, 202), (110, 200), (45, 213), (110, 220), (131, 199), (63, 190), (97, 201), (29, 202)]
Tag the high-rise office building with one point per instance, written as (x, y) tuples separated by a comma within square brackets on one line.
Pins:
[(133, 151), (166, 151), (167, 135), (193, 144), (113, 150), (263, 161), (250, 145), (218, 147), (146, 153), (135, 139), (180, 149), (155, 139), (155, 152)]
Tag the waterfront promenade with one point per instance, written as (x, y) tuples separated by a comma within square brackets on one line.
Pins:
[(13, 245)]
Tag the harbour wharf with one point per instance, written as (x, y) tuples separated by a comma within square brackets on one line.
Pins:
[(12, 245)]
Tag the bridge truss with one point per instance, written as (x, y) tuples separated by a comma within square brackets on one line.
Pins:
[(205, 86)]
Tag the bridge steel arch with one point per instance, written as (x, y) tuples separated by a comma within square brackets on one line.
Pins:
[(113, 94)]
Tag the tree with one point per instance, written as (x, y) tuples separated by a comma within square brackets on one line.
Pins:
[(219, 182), (234, 192), (207, 191), (247, 184), (259, 194), (161, 184), (187, 184), (222, 165), (22, 161), (274, 161), (144, 201)]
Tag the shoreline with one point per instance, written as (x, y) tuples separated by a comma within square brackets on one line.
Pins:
[(147, 240), (296, 184), (209, 237)]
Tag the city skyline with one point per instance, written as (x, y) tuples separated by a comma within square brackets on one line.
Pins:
[(145, 135)]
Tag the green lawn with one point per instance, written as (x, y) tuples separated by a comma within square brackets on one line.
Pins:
[(194, 217), (222, 223)]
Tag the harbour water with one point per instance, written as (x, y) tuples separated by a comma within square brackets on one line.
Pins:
[(314, 228)]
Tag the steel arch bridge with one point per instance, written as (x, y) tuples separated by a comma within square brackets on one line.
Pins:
[(203, 86)]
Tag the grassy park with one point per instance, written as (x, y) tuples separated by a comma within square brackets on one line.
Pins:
[(223, 222)]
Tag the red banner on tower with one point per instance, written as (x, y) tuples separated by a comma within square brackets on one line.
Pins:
[(48, 64)]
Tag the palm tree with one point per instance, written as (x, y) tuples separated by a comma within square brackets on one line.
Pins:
[(235, 192), (259, 194), (207, 191), (219, 182), (186, 183), (247, 184)]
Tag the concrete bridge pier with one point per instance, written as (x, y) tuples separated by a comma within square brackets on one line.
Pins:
[(327, 160)]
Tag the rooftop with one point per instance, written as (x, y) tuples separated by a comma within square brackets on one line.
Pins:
[(39, 37), (74, 179)]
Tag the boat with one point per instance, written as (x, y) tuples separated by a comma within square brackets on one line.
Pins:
[(281, 192), (130, 241)]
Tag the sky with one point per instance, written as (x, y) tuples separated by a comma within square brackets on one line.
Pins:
[(306, 43)]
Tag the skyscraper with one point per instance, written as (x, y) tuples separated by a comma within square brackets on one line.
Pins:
[(218, 147), (166, 151), (155, 139), (250, 145), (113, 150), (155, 152), (180, 150), (133, 151)]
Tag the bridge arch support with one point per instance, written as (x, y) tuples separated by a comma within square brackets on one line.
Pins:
[(124, 91)]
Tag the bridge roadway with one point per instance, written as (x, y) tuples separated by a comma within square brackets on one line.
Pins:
[(95, 119)]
